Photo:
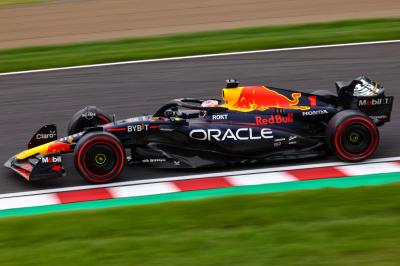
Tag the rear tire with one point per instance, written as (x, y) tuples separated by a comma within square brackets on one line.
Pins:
[(90, 116), (352, 136), (99, 157)]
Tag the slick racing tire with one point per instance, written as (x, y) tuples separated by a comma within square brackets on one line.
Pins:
[(90, 116), (99, 157), (352, 136)]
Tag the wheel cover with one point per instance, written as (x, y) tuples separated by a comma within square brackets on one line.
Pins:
[(100, 159), (356, 139)]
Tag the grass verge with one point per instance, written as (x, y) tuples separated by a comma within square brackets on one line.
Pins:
[(199, 43), (323, 227), (17, 2)]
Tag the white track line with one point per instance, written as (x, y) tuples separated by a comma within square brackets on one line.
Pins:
[(176, 178), (28, 201), (198, 56)]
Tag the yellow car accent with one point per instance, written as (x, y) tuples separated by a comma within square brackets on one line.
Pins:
[(42, 149), (231, 96)]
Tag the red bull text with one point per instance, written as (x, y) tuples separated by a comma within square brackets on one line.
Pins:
[(274, 119)]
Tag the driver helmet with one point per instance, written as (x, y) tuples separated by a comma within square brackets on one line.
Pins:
[(209, 103)]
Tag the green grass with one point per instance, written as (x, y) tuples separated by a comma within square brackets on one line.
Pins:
[(199, 43), (357, 226), (14, 2)]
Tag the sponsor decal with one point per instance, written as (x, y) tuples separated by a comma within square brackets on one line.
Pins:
[(292, 138), (274, 119), (177, 163), (219, 117), (154, 160), (379, 117), (52, 159), (277, 144), (137, 128), (237, 134), (50, 135), (89, 115), (373, 102), (315, 112)]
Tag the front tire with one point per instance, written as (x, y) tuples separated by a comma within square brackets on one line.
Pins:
[(352, 136), (99, 157)]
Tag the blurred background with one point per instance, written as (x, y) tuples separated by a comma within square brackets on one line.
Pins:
[(67, 21)]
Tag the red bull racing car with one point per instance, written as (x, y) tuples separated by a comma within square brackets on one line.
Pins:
[(249, 124)]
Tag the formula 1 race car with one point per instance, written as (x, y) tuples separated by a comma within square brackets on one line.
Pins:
[(249, 124)]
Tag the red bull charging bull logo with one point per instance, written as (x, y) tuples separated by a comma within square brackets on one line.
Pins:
[(261, 98)]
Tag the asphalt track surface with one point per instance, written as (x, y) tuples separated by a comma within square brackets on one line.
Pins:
[(28, 101)]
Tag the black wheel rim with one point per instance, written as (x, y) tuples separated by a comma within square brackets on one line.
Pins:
[(356, 139), (100, 159)]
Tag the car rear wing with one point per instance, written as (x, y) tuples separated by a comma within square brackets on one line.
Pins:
[(378, 108), (367, 96)]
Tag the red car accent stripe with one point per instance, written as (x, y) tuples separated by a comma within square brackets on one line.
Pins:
[(116, 129), (22, 172), (56, 168), (313, 100), (58, 147), (105, 119)]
